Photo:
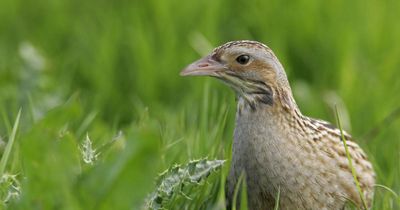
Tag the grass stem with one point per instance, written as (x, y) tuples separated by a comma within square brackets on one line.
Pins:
[(353, 171), (7, 151)]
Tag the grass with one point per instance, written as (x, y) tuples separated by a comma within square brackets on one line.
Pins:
[(353, 170), (10, 143), (9, 184), (109, 71), (278, 196)]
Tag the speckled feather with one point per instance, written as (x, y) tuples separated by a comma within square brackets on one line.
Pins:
[(279, 148)]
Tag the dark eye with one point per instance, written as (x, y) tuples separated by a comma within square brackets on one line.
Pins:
[(243, 59)]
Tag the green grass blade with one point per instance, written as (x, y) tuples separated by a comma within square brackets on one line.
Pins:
[(86, 123), (243, 196), (236, 192), (353, 171), (7, 151), (6, 120), (277, 198), (388, 189)]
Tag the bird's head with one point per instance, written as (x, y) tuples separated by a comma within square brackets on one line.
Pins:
[(250, 68)]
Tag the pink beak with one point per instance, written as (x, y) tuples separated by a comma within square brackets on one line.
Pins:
[(203, 67)]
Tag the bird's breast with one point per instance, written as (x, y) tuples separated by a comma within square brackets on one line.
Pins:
[(261, 151), (274, 158)]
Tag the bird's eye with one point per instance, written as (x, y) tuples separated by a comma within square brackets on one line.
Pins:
[(243, 59)]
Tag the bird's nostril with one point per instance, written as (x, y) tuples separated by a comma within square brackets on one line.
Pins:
[(203, 65)]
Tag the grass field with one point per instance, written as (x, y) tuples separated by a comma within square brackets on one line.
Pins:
[(104, 110)]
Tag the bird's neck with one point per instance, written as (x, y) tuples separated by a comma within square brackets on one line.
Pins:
[(264, 131), (277, 102), (259, 112), (282, 117)]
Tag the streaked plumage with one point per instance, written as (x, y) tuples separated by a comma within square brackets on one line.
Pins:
[(274, 144)]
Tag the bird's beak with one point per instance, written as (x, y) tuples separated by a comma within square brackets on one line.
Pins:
[(203, 67)]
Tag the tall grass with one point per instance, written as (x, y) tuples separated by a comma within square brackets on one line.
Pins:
[(109, 70), (350, 161)]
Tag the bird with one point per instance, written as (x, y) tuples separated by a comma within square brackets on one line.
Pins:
[(279, 151)]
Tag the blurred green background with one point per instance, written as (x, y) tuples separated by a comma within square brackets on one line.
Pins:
[(109, 70)]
